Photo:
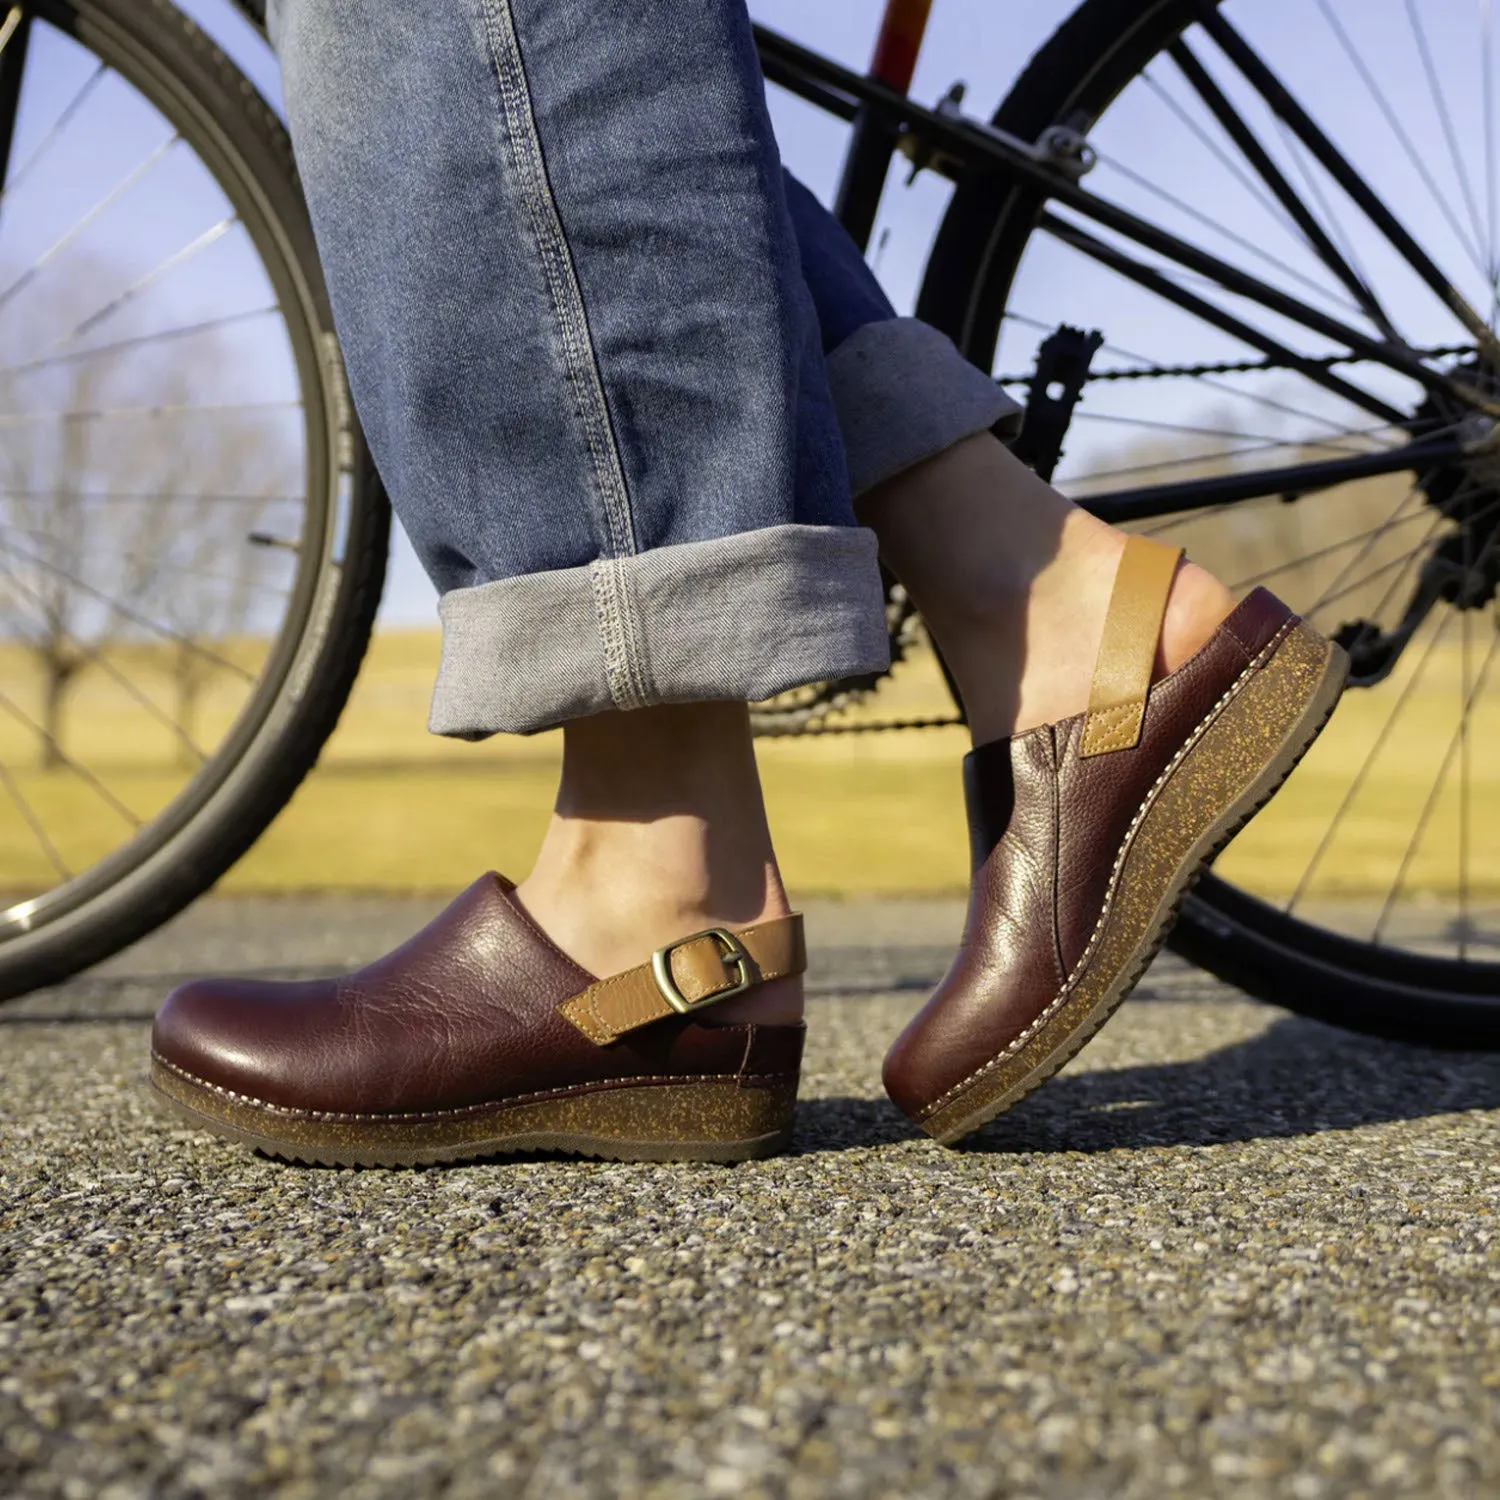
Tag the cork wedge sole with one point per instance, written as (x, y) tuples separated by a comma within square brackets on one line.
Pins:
[(702, 1119), (1231, 767)]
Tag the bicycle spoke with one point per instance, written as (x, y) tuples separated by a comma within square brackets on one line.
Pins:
[(90, 496), (1217, 317), (98, 351), (1430, 804), (54, 133), (1239, 131), (1401, 565), (1152, 500), (1487, 262), (1273, 299), (77, 767), (1274, 209), (141, 413), (1259, 251), (1399, 131), (1373, 538), (1364, 771), (50, 849), (1146, 363), (1370, 538), (110, 670), (58, 246), (1204, 513), (1265, 440), (177, 568), (1297, 155), (1339, 429), (125, 612), (1182, 518), (1363, 774), (172, 263), (1141, 362), (1157, 465), (1464, 491), (1281, 103)]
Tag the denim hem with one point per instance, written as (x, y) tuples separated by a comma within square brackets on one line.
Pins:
[(741, 618), (904, 393)]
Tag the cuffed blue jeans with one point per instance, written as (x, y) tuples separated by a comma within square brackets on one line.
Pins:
[(622, 377)]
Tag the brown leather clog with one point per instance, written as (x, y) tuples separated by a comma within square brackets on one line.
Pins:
[(479, 1036), (1086, 835)]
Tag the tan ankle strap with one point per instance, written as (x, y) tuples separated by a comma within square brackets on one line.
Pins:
[(1132, 629), (686, 975)]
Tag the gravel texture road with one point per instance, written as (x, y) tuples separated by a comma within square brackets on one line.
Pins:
[(1228, 1252)]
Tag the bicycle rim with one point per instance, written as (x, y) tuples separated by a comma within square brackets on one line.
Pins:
[(165, 94)]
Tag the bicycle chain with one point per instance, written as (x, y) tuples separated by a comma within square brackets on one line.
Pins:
[(814, 728), (1242, 367), (804, 716)]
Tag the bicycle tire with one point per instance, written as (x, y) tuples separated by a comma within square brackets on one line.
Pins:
[(1362, 987), (224, 119)]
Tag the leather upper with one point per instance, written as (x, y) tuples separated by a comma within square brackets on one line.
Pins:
[(464, 1013), (1046, 827)]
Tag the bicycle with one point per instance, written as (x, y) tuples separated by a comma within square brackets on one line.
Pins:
[(1301, 330)]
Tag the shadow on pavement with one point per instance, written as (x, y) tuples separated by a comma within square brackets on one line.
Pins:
[(1297, 1078)]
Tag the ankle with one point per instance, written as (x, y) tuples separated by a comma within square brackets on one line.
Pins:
[(629, 888), (609, 898), (1198, 605), (1014, 583), (660, 832), (1027, 659)]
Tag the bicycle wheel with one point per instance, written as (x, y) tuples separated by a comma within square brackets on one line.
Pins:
[(192, 538), (1304, 397)]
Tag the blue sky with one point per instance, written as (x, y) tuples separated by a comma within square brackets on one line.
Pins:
[(986, 44)]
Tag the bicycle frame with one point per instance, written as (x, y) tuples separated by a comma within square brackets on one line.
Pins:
[(968, 151), (873, 143)]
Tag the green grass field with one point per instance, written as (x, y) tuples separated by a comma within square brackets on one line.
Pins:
[(391, 807)]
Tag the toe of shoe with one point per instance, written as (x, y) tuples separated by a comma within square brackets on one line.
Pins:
[(207, 1028), (911, 1073)]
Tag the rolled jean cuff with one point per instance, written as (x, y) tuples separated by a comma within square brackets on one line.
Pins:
[(741, 618), (904, 393)]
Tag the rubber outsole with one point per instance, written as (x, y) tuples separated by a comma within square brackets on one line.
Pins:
[(713, 1120), (1023, 1067)]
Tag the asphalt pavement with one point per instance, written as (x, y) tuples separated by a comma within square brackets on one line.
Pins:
[(1227, 1252)]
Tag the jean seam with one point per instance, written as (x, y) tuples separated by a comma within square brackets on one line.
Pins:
[(613, 608), (635, 639), (579, 357)]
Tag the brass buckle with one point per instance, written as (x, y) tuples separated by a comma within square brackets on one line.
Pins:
[(735, 956)]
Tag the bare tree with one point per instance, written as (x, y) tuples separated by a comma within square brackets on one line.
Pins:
[(214, 590), (113, 526)]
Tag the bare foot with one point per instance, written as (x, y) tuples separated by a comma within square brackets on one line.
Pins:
[(1065, 609), (660, 832), (1014, 583)]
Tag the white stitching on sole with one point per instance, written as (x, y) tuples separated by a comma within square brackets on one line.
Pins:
[(577, 1090)]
